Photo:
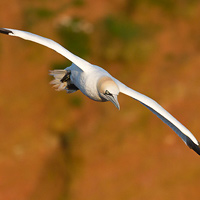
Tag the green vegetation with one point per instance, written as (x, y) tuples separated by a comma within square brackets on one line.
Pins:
[(78, 3), (73, 37), (169, 7), (34, 15), (173, 7), (76, 101), (123, 29), (125, 40)]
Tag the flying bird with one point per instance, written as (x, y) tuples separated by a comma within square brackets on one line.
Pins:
[(97, 84)]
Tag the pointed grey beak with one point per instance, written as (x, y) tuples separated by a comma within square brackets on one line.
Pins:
[(113, 99)]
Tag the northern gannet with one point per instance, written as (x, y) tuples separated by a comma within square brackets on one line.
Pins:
[(97, 84)]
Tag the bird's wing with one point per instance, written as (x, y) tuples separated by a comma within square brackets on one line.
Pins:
[(82, 64), (167, 118)]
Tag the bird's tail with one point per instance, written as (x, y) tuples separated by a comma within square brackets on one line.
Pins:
[(58, 82)]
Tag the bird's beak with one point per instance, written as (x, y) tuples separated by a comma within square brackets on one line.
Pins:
[(113, 99)]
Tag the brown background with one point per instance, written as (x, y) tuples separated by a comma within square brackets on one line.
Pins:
[(55, 146)]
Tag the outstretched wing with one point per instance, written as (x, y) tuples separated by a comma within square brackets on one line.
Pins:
[(167, 118), (82, 64)]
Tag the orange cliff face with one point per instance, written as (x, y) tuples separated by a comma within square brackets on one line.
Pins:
[(50, 148)]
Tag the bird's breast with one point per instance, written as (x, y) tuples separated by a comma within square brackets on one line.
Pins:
[(87, 83)]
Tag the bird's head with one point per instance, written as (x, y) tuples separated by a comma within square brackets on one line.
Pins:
[(108, 90)]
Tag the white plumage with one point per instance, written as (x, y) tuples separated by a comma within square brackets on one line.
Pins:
[(99, 85)]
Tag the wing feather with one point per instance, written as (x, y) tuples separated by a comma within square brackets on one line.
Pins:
[(82, 64), (165, 116)]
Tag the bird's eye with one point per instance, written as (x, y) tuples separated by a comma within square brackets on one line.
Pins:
[(107, 93)]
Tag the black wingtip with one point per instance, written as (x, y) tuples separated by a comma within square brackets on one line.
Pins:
[(193, 146), (5, 31)]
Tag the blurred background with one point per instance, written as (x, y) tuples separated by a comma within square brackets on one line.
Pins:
[(55, 146)]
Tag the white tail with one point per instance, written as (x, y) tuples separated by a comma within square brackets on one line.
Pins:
[(57, 82)]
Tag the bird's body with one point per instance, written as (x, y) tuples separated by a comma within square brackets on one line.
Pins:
[(87, 82), (97, 84)]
